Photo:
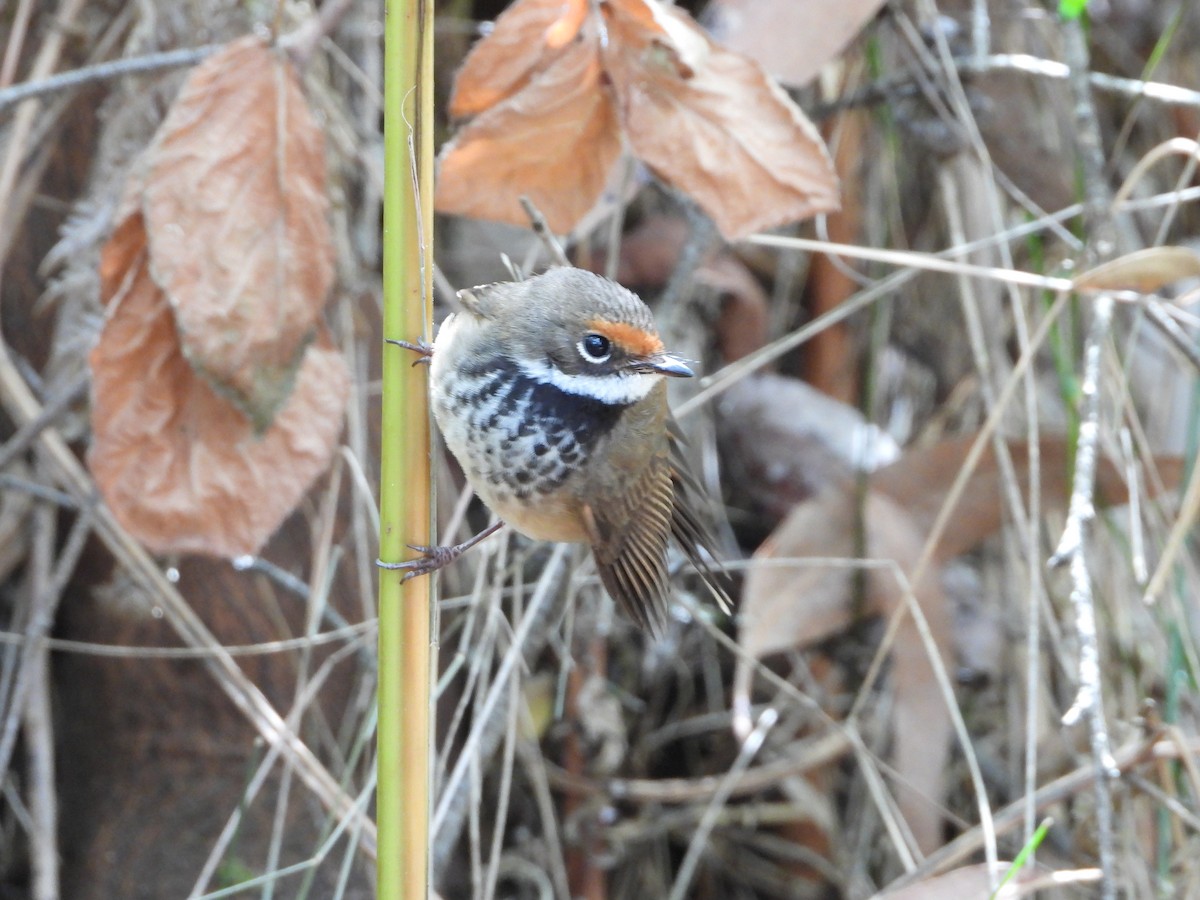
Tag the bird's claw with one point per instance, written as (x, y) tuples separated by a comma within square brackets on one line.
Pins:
[(430, 560), (423, 350)]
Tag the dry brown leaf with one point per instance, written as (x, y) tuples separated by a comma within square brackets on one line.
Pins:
[(1147, 270), (711, 123), (236, 214), (120, 253), (182, 469), (525, 39), (793, 605), (921, 479), (781, 37), (555, 141), (548, 120)]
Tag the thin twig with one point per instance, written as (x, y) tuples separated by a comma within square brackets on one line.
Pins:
[(19, 28), (322, 570), (302, 42), (356, 633), (255, 784), (1073, 547), (981, 30), (1172, 804), (808, 755), (41, 619), (536, 771), (51, 412), (500, 804), (474, 650), (537, 221), (899, 88), (43, 793), (40, 491), (34, 708), (106, 71), (356, 817), (1170, 94), (1170, 329)]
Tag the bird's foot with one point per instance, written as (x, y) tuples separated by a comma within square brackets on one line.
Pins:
[(434, 558), (423, 350), (430, 560)]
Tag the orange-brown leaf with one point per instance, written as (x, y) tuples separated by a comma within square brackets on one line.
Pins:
[(182, 469), (564, 30), (236, 217), (711, 123), (525, 39), (556, 142), (123, 254)]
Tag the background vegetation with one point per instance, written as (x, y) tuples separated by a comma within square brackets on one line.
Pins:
[(1017, 197)]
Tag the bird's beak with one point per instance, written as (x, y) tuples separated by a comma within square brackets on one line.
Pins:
[(666, 364)]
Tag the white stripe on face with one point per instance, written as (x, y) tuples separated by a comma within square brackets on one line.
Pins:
[(614, 389)]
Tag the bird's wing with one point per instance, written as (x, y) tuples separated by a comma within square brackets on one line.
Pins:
[(629, 532), (689, 529)]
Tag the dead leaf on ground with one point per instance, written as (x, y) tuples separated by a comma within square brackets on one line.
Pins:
[(236, 213), (793, 605), (921, 479), (815, 594), (780, 36), (550, 112), (182, 469), (779, 606)]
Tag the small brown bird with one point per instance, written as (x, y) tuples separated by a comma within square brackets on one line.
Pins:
[(551, 393)]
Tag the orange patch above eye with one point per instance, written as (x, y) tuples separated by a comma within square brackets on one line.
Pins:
[(630, 338)]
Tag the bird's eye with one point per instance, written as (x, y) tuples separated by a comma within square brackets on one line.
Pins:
[(595, 348)]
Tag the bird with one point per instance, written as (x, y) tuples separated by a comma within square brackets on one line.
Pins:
[(551, 393)]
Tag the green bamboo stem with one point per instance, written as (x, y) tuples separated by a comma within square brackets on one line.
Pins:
[(406, 652)]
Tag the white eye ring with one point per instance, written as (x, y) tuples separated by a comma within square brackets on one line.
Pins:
[(595, 348)]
